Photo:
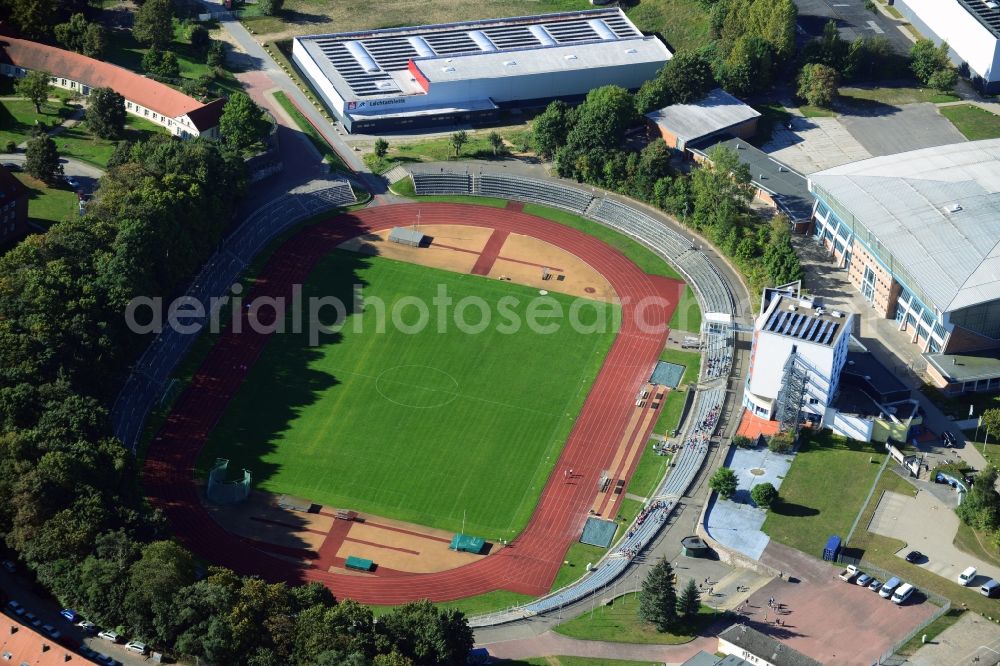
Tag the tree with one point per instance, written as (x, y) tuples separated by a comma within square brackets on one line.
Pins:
[(689, 603), (242, 124), (496, 142), (71, 33), (818, 84), (34, 86), (41, 159), (742, 442), (216, 55), (161, 64), (270, 7), (427, 634), (154, 23), (764, 495), (991, 422), (106, 113), (925, 59), (199, 38), (944, 80), (549, 129), (381, 148), (724, 482), (457, 140), (33, 18), (981, 506), (687, 77), (95, 41), (748, 68), (163, 568), (658, 598)]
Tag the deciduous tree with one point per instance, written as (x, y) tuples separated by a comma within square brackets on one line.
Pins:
[(925, 59), (34, 86), (106, 113), (549, 129), (154, 23), (381, 148), (818, 84), (457, 140), (496, 142), (723, 482), (242, 124), (764, 495), (42, 159)]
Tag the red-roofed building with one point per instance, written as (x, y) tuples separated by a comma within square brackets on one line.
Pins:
[(20, 644), (13, 208), (157, 102)]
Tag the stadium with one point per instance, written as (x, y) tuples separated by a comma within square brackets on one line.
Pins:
[(407, 78), (398, 467), (919, 234)]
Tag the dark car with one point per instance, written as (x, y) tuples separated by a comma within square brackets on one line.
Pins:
[(12, 166), (914, 556)]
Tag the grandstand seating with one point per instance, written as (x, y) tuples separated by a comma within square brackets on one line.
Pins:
[(531, 189), (718, 351), (444, 182)]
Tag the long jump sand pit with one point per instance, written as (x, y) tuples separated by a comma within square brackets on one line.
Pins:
[(317, 537), (519, 258)]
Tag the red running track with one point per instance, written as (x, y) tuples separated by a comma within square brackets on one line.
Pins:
[(530, 562)]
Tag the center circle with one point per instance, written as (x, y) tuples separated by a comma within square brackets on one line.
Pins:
[(417, 386), (757, 471)]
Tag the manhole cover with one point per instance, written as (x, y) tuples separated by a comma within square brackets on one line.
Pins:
[(757, 471)]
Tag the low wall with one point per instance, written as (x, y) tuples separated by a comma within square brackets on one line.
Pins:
[(727, 555)]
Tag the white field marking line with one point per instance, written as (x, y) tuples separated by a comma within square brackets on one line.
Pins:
[(874, 26)]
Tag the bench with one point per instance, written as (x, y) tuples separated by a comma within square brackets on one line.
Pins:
[(359, 563), (344, 514)]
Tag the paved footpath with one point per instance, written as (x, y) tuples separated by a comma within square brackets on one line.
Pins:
[(551, 643)]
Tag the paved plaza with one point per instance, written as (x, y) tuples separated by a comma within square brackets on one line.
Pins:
[(885, 130), (971, 640), (814, 144)]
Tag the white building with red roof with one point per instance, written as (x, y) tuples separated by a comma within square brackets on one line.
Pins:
[(157, 102)]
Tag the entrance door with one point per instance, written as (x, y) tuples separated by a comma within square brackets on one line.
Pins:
[(868, 285)]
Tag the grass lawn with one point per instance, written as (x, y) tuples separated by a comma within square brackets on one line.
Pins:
[(670, 413), (810, 111), (823, 491), (649, 472), (575, 563), (687, 316), (80, 144), (628, 509), (619, 622), (321, 144), (894, 96), (690, 360), (636, 252), (576, 661), (439, 148), (976, 544), (430, 427), (931, 631), (18, 118), (477, 605), (973, 122), (48, 205)]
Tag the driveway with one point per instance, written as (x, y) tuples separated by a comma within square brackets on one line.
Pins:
[(971, 640), (87, 174), (814, 144), (927, 524), (885, 130)]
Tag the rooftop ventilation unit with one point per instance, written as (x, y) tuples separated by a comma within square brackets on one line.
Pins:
[(509, 63), (360, 53), (482, 41), (449, 68), (954, 208), (421, 46), (631, 50), (542, 35), (570, 57)]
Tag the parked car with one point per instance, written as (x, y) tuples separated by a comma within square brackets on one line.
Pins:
[(31, 619), (87, 626), (875, 585), (904, 592), (990, 588), (136, 646), (86, 651), (52, 632), (12, 166), (69, 614), (72, 182), (9, 566), (848, 574), (914, 556), (967, 576), (109, 635), (889, 587), (15, 608), (863, 580)]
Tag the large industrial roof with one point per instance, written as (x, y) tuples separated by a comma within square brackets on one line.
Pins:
[(986, 12), (375, 62), (715, 112), (937, 210)]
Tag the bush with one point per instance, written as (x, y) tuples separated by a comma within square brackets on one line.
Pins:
[(764, 495), (743, 442), (11, 147), (783, 442)]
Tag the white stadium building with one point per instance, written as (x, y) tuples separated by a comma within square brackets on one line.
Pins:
[(406, 78), (971, 28)]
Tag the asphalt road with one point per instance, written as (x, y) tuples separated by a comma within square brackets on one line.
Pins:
[(852, 19), (87, 174)]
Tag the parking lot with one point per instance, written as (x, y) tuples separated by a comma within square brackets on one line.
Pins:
[(822, 616), (16, 587), (907, 519)]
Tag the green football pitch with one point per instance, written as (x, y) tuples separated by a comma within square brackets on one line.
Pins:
[(433, 427)]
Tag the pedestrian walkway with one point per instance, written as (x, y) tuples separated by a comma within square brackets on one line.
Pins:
[(551, 643)]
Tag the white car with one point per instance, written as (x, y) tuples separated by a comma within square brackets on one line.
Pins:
[(967, 576), (136, 646), (109, 635), (87, 626)]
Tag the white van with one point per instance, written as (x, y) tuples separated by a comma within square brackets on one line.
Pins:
[(902, 593), (890, 586), (967, 576), (990, 588)]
